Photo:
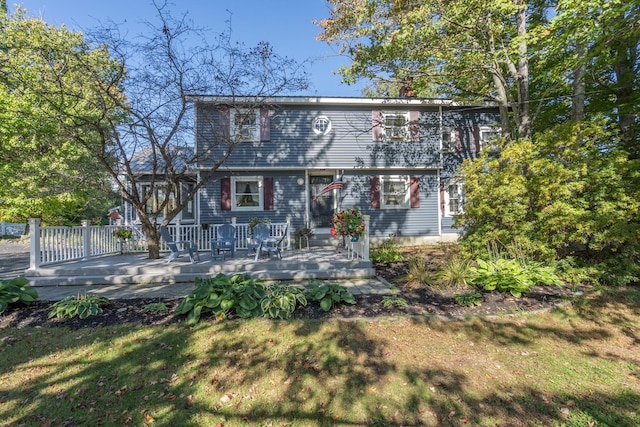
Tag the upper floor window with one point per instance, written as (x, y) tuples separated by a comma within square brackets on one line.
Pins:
[(245, 125), (321, 125), (448, 139), (395, 191), (488, 138), (395, 125), (246, 193)]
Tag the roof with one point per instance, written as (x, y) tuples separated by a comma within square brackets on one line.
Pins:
[(350, 101), (143, 160)]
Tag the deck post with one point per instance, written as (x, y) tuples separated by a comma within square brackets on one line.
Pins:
[(365, 244), (86, 239), (34, 244)]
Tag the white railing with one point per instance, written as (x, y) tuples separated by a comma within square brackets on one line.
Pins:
[(50, 245), (360, 248)]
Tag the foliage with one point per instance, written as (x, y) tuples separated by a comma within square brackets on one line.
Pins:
[(387, 252), (255, 221), (280, 301), (82, 306), (469, 298), (393, 301), (419, 273), (156, 308), (222, 295), (347, 222), (455, 271), (44, 173), (329, 294), (16, 290), (123, 233), (510, 275), (567, 194)]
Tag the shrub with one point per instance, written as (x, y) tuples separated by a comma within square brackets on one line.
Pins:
[(329, 294), (419, 272), (82, 306), (280, 301), (16, 290), (455, 271), (387, 253), (222, 295), (468, 299), (510, 275)]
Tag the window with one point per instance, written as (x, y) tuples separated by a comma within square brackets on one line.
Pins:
[(394, 191), (489, 138), (246, 193), (396, 125), (245, 125), (453, 198), (321, 125), (448, 139), (157, 196)]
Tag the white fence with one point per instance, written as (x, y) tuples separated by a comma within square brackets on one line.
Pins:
[(12, 229), (49, 245)]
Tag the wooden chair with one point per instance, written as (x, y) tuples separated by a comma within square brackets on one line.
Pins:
[(180, 247), (272, 245), (226, 241)]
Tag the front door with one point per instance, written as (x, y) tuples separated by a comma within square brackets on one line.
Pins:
[(322, 208)]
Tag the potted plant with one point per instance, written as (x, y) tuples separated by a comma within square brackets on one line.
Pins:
[(347, 223), (123, 233), (301, 234), (255, 221)]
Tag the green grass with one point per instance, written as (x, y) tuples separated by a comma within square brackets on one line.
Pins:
[(571, 368)]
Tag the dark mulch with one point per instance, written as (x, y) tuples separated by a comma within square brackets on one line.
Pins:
[(420, 302)]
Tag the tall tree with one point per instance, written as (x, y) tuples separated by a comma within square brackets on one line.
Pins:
[(158, 70), (42, 172), (472, 49)]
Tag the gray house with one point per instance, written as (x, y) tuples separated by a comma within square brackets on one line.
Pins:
[(395, 158)]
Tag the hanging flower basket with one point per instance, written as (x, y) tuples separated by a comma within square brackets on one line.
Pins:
[(347, 223), (123, 233)]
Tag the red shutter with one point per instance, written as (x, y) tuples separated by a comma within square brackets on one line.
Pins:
[(414, 125), (458, 135), (267, 184), (414, 191), (225, 194), (374, 192), (265, 125), (475, 145), (377, 126), (225, 123)]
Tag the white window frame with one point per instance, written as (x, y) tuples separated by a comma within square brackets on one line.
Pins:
[(454, 188), (405, 200), (245, 133), (487, 135), (449, 132), (395, 133), (236, 195), (321, 125)]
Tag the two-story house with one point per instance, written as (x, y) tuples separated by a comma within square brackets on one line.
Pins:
[(396, 157)]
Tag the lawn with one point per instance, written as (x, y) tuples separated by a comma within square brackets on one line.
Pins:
[(577, 367)]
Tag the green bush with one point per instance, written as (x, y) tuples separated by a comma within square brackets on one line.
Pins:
[(81, 306), (394, 301), (329, 294), (16, 290), (510, 275), (280, 301), (455, 271), (468, 299), (222, 295), (386, 253)]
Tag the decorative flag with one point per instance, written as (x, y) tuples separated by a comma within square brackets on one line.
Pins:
[(336, 184)]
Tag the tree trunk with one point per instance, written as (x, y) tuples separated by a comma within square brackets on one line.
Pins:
[(153, 238), (578, 85), (522, 77)]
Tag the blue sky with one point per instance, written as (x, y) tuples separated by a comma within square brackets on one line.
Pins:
[(286, 24)]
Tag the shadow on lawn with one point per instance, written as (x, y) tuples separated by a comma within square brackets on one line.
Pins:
[(310, 373)]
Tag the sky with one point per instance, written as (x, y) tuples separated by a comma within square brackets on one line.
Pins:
[(286, 24)]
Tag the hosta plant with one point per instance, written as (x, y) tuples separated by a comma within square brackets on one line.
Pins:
[(280, 301), (329, 294), (81, 306), (510, 275), (222, 295), (16, 290), (468, 299)]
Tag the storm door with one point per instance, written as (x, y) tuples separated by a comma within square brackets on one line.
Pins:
[(322, 208)]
